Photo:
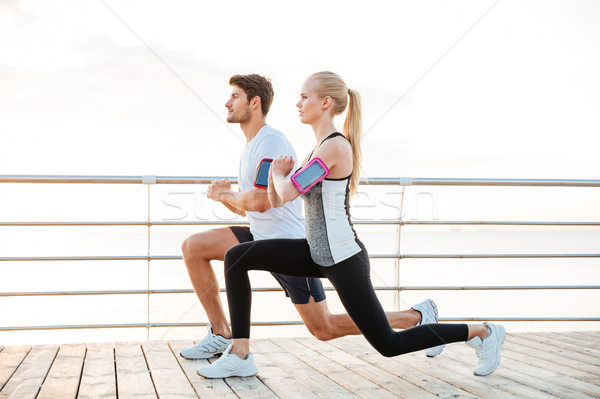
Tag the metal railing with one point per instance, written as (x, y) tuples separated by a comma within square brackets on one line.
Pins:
[(397, 288)]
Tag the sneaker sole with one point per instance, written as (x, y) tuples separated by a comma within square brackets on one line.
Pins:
[(498, 330), (436, 353), (435, 312), (228, 376), (438, 350), (201, 358)]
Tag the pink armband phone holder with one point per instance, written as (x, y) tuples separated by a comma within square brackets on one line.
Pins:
[(261, 175), (311, 174)]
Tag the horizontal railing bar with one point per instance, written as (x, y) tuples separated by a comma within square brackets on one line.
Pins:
[(505, 182), (207, 223), (371, 256), (135, 325), (76, 224), (74, 258), (454, 319), (72, 179), (281, 323), (279, 289), (500, 287), (497, 223), (497, 256), (244, 222), (130, 292), (400, 181), (73, 327)]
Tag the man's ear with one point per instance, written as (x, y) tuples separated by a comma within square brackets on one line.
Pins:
[(255, 103)]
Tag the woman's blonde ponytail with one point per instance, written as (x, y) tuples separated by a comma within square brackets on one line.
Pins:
[(353, 132), (332, 85)]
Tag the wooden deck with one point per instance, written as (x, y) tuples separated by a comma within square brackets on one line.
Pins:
[(540, 365)]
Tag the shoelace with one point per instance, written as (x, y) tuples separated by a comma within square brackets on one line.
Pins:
[(484, 351), (204, 344), (222, 358)]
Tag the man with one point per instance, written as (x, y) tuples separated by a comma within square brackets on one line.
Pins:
[(250, 100)]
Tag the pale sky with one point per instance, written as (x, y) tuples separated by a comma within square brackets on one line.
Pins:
[(507, 89)]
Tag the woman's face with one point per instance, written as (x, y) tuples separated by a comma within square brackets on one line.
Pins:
[(310, 105)]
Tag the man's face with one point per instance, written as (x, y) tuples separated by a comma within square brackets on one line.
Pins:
[(238, 106)]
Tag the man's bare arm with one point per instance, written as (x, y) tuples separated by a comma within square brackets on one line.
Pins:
[(233, 209), (255, 200)]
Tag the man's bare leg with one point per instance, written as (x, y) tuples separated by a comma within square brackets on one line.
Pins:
[(325, 326), (198, 250)]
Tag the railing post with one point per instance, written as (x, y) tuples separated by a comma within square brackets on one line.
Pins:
[(397, 260), (148, 180)]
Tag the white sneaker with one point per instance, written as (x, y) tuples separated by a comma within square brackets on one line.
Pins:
[(211, 346), (488, 350), (229, 365), (429, 315)]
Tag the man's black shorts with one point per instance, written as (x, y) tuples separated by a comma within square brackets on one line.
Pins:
[(299, 289)]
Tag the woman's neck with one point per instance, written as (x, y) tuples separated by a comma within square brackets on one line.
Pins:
[(323, 129)]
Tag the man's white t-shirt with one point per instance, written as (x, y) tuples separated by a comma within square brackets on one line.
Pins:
[(283, 222)]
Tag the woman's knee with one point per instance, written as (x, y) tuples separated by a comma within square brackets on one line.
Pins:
[(386, 350), (386, 346), (235, 255)]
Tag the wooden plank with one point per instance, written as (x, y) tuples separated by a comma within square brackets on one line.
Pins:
[(204, 387), (588, 334), (278, 381), (248, 387), (564, 344), (383, 378), (353, 382), (539, 378), (26, 381), (98, 379), (595, 335), (578, 339), (168, 377), (64, 376), (319, 384), (510, 352), (512, 344), (133, 377), (10, 359), (457, 371), (427, 382), (531, 342)]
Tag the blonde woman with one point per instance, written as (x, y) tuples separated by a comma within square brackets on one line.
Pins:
[(331, 248)]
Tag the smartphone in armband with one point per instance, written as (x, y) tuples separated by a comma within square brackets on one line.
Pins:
[(312, 173), (261, 176)]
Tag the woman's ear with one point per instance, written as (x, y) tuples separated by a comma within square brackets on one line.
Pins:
[(327, 102)]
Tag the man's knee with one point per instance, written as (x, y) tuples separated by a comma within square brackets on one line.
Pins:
[(323, 331), (197, 245), (189, 246), (324, 334)]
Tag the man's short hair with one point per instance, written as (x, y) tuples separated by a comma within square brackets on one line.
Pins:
[(255, 85)]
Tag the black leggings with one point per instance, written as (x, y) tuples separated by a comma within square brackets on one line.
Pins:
[(352, 281)]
